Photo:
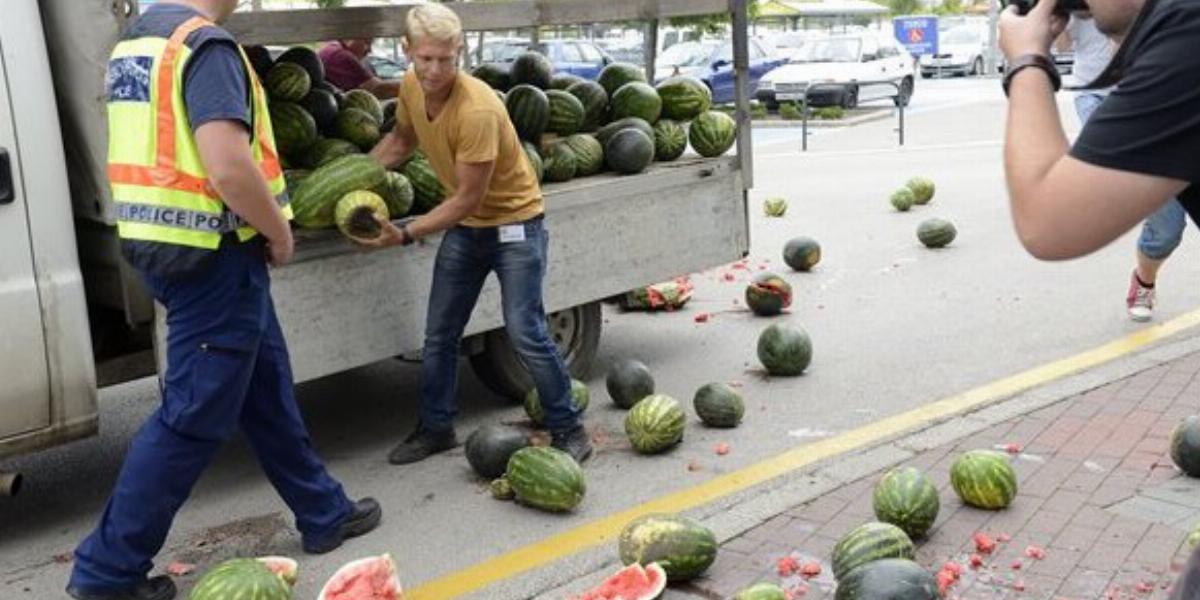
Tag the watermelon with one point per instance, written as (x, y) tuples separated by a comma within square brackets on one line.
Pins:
[(1193, 538), (260, 59), (908, 499), (316, 197), (762, 591), (1185, 446), (558, 162), (589, 154), (323, 107), (372, 578), (655, 424), (617, 74), (608, 131), (936, 233), (719, 405), (768, 294), (683, 548), (775, 207), (670, 140), (888, 579), (633, 582), (427, 188), (501, 489), (595, 103), (286, 568), (712, 133), (636, 99), (533, 405), (629, 151), (563, 81), (293, 177), (784, 350), (358, 127), (241, 578), (306, 58), (295, 129), (357, 214), (802, 253), (494, 76), (529, 109), (366, 102), (397, 193), (922, 189), (546, 478), (326, 150), (389, 107), (628, 381), (684, 98), (984, 479), (532, 68), (902, 199), (535, 160), (287, 82), (870, 542), (489, 448), (566, 113)]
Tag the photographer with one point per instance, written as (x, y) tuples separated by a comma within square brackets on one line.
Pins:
[(1139, 149)]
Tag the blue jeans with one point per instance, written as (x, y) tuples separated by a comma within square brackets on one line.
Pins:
[(1163, 230), (464, 260), (227, 369)]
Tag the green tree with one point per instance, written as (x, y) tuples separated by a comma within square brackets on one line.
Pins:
[(717, 23), (950, 7), (903, 7)]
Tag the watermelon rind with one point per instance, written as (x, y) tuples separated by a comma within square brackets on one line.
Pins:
[(546, 478), (655, 424), (241, 578), (684, 548), (870, 542)]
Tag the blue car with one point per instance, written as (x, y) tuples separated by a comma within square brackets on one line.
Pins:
[(576, 57), (712, 63)]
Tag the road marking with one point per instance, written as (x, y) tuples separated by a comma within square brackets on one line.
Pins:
[(605, 529)]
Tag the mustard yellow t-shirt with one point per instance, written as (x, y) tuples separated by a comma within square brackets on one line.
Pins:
[(474, 127)]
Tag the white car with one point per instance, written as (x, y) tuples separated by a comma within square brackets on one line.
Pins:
[(960, 52), (843, 71)]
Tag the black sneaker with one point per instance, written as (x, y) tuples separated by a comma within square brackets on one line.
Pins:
[(421, 444), (155, 588), (574, 442), (365, 517)]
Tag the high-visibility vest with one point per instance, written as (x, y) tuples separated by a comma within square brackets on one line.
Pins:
[(159, 185)]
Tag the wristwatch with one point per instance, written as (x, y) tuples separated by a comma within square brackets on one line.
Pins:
[(1037, 61)]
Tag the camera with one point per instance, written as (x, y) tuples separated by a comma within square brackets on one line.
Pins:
[(1064, 7)]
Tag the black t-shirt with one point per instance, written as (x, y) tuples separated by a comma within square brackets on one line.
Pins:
[(1151, 122)]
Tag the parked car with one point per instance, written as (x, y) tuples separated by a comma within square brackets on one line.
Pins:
[(711, 61), (960, 52), (576, 57), (844, 71), (386, 68)]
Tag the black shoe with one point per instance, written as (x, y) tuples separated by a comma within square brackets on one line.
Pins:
[(574, 442), (365, 517), (421, 444), (155, 588)]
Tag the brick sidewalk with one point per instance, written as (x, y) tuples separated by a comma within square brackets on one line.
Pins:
[(1097, 491)]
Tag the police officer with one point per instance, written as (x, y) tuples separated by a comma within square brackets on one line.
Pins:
[(201, 210)]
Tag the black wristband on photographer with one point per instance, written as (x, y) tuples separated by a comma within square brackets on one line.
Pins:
[(1037, 61)]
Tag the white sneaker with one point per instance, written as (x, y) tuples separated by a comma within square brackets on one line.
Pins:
[(1140, 300)]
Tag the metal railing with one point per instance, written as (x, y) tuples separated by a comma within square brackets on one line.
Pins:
[(806, 108)]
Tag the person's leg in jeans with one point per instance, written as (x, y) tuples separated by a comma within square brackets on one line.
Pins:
[(458, 276), (1161, 234)]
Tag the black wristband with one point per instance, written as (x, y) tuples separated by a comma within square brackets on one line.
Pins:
[(1037, 61), (408, 237)]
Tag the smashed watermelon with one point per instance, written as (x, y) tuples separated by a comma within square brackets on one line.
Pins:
[(286, 568), (634, 582), (372, 578)]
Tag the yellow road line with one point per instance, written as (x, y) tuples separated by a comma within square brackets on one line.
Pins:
[(605, 529)]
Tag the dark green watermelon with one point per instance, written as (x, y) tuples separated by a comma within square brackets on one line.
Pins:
[(719, 405), (489, 448), (595, 104), (628, 381), (287, 82), (605, 133), (1185, 446), (888, 579), (802, 253), (636, 99), (618, 74), (784, 350), (323, 106), (532, 68), (307, 58), (629, 151), (494, 76), (428, 191), (563, 81), (326, 150), (260, 59), (529, 109)]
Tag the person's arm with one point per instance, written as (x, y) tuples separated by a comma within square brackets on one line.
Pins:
[(384, 89), (395, 148), (473, 179)]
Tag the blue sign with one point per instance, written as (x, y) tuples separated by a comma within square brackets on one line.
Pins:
[(919, 34)]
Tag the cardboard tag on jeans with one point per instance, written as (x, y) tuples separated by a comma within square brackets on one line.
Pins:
[(512, 233)]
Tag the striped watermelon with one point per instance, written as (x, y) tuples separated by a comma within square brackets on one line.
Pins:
[(589, 154), (936, 233), (566, 113), (712, 133), (428, 191), (902, 199), (326, 150), (364, 101), (529, 109), (559, 162), (293, 177), (908, 499), (891, 578), (595, 103), (241, 578), (306, 58), (358, 127), (562, 81), (535, 160), (629, 151), (670, 140), (984, 479), (546, 478), (397, 193), (684, 98), (762, 591), (287, 82), (295, 129), (870, 542), (655, 424), (492, 75), (357, 214), (316, 198), (532, 68), (719, 405), (922, 188), (636, 99), (618, 74), (684, 548), (608, 131), (537, 414)]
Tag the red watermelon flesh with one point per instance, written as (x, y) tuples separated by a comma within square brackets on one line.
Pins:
[(372, 578), (630, 583)]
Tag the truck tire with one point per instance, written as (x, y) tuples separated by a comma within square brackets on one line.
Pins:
[(575, 330)]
